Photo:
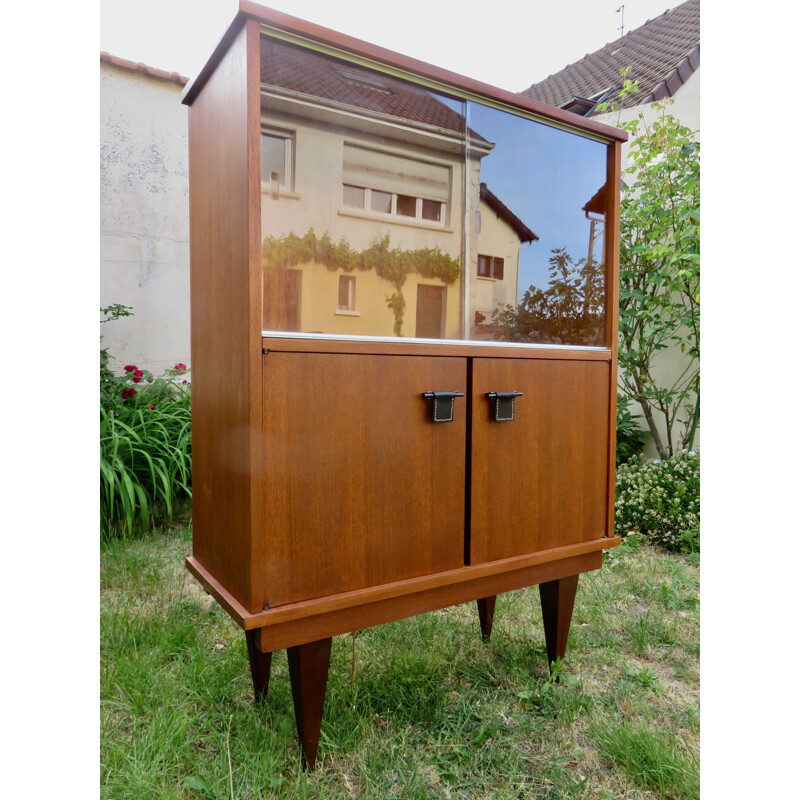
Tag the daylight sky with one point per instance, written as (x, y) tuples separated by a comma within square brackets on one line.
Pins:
[(518, 44)]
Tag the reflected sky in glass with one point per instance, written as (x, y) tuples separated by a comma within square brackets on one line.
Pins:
[(545, 176)]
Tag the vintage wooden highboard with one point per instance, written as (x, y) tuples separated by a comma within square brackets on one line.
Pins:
[(403, 310)]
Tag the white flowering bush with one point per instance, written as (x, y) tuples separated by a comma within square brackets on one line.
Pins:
[(661, 500)]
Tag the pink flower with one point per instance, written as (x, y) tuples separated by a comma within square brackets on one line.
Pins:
[(151, 406), (181, 366), (130, 368)]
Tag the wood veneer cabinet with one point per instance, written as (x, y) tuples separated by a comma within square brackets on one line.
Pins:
[(403, 293)]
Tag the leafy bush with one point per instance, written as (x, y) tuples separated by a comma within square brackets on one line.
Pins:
[(661, 499), (145, 445), (630, 437)]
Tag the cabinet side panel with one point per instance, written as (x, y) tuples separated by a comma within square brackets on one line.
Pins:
[(539, 481), (220, 297), (612, 260)]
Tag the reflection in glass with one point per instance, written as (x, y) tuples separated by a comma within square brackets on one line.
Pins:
[(362, 200), (354, 196), (546, 287), (389, 209), (381, 202)]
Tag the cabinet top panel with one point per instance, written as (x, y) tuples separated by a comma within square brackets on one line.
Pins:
[(460, 84)]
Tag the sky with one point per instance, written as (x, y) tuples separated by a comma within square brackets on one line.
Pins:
[(517, 45)]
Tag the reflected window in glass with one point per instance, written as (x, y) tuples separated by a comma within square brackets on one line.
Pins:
[(276, 158), (347, 293), (354, 196)]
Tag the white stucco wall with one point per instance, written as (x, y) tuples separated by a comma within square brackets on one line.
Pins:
[(144, 218), (686, 108)]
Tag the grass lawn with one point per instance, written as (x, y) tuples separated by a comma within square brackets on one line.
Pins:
[(419, 708)]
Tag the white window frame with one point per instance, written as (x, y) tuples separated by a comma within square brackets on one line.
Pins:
[(393, 213), (350, 308), (288, 155)]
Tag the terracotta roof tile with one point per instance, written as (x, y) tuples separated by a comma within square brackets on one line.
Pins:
[(662, 54), (330, 81), (143, 68)]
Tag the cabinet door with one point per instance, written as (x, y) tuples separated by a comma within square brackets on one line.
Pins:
[(360, 487), (541, 480)]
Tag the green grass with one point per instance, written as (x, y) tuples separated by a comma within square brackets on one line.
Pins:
[(432, 712)]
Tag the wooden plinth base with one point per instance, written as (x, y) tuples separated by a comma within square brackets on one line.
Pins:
[(309, 662)]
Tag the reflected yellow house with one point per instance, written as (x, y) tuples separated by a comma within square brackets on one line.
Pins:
[(364, 203)]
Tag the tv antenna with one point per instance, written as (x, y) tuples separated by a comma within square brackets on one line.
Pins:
[(621, 10)]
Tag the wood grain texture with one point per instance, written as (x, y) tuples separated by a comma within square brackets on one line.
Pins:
[(470, 576), (558, 600), (221, 331), (539, 481), (359, 487), (308, 673), (260, 664), (486, 614), (612, 314), (406, 348), (354, 618)]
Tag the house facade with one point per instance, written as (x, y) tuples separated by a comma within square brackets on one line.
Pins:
[(144, 214), (663, 56), (367, 181)]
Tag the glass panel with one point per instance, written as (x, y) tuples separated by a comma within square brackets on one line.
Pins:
[(273, 158), (431, 209), (407, 206), (354, 196), (381, 201), (537, 204), (461, 221), (377, 195)]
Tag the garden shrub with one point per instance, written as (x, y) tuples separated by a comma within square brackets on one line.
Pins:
[(145, 445), (630, 437), (661, 500)]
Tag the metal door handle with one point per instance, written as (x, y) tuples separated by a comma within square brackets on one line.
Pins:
[(503, 405), (442, 405)]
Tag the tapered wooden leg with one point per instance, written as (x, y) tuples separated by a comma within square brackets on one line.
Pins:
[(259, 665), (308, 672), (486, 614), (558, 599)]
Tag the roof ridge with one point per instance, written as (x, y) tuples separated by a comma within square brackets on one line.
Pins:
[(662, 53), (138, 66)]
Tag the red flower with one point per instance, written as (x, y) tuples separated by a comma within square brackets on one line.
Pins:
[(183, 381), (151, 406), (130, 368), (137, 376), (126, 393), (180, 366)]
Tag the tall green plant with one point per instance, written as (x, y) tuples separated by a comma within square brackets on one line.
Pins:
[(145, 442), (660, 277)]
